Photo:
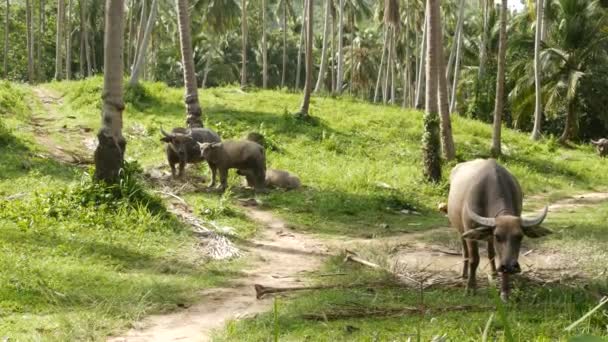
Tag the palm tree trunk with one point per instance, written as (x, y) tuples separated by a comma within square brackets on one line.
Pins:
[(244, 44), (455, 46), (6, 29), (284, 44), (393, 69), (340, 76), (141, 30), (87, 49), (40, 40), (29, 41), (389, 61), (264, 48), (538, 110), (83, 56), (381, 68), (447, 141), (332, 65), (109, 155), (59, 41), (570, 124), (323, 67), (421, 75), (500, 81), (309, 66), (483, 46), (139, 61), (430, 139), (302, 35), (130, 30), (456, 73), (193, 108), (68, 43), (545, 21)]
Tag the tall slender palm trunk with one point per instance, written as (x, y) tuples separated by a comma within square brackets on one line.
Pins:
[(6, 30), (29, 41), (421, 74), (381, 68), (83, 56), (447, 141), (500, 81), (140, 31), (323, 67), (59, 41), (340, 76), (309, 66), (264, 48), (455, 46), (284, 44), (570, 126), (109, 155), (332, 65), (87, 49), (430, 139), (39, 61), (68, 43), (538, 110), (244, 43), (130, 29), (141, 56), (454, 92), (302, 36), (193, 107), (389, 61), (484, 45)]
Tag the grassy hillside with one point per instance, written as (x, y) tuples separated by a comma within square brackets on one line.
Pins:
[(360, 164)]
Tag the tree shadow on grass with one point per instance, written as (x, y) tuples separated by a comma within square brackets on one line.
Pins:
[(18, 160)]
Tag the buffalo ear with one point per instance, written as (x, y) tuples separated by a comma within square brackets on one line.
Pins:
[(481, 233), (166, 139), (536, 231)]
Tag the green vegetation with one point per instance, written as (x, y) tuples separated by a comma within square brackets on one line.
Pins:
[(80, 260), (79, 267)]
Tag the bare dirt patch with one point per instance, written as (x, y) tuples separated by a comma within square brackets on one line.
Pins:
[(278, 257)]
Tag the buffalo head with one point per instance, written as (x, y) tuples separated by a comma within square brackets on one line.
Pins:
[(507, 232)]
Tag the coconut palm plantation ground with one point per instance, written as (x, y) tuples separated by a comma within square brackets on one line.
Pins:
[(83, 261)]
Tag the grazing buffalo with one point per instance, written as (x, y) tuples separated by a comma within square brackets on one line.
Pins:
[(601, 146), (241, 155), (485, 204), (182, 146)]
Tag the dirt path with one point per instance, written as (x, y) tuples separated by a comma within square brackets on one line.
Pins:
[(279, 257)]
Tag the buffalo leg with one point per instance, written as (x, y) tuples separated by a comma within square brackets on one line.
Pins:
[(213, 169), (182, 166), (223, 179), (465, 256), (473, 263), (173, 171), (491, 257)]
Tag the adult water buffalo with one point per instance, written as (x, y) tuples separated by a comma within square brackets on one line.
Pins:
[(602, 146), (182, 146), (485, 204)]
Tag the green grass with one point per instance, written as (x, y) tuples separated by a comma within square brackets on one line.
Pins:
[(341, 156), (73, 269)]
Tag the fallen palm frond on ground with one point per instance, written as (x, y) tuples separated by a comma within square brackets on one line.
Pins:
[(346, 313)]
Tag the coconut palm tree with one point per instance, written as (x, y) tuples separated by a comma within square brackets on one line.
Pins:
[(430, 139), (244, 43), (193, 107), (264, 48), (140, 58), (59, 41), (574, 46), (68, 43), (537, 72), (109, 155), (323, 67), (447, 142), (6, 31), (30, 41), (340, 71), (309, 66), (500, 81)]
